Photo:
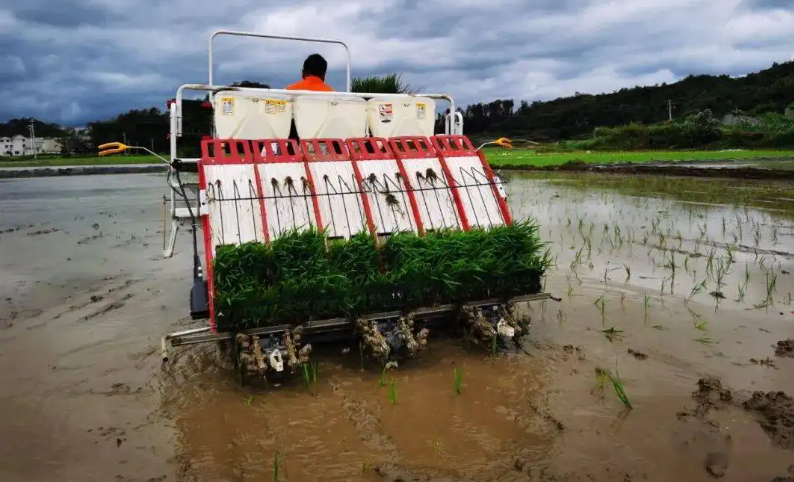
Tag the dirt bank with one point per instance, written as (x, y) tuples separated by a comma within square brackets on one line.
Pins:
[(661, 169), (20, 173)]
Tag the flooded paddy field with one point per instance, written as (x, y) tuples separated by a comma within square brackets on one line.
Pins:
[(674, 294)]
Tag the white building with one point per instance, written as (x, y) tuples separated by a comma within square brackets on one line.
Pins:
[(23, 146)]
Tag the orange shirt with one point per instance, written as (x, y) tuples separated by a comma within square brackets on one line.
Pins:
[(310, 83)]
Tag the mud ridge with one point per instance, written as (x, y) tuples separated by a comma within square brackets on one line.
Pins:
[(777, 416), (78, 171), (774, 410), (785, 348), (366, 422), (115, 305), (659, 169)]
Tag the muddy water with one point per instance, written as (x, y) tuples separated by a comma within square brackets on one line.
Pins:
[(85, 297)]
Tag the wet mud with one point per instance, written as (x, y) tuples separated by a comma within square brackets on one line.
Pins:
[(86, 396), (785, 348)]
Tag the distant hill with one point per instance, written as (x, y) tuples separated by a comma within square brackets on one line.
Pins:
[(15, 127), (770, 90)]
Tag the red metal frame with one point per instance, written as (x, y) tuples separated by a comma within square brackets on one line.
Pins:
[(313, 150), (461, 146), (209, 157), (271, 156), (424, 149), (382, 151), (451, 146), (212, 151)]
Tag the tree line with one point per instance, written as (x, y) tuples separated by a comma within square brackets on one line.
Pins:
[(599, 121)]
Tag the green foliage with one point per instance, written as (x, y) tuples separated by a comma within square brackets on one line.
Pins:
[(302, 276), (387, 84), (578, 116), (698, 130)]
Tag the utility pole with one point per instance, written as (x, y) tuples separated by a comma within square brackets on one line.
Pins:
[(32, 129), (670, 109)]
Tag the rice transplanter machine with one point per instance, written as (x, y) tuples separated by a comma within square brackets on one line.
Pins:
[(363, 162)]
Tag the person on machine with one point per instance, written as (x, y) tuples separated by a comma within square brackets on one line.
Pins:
[(313, 75)]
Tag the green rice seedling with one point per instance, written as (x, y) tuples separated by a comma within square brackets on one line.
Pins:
[(314, 377), (771, 284), (628, 272), (570, 291), (623, 301), (601, 379), (392, 392), (560, 316), (788, 299), (620, 390), (612, 332), (710, 261), (600, 303), (762, 263), (766, 303), (740, 293), (306, 376), (276, 466), (646, 303), (364, 466), (608, 270), (249, 400), (774, 234), (458, 380), (277, 283), (382, 378), (493, 346), (697, 289), (705, 340), (730, 249)]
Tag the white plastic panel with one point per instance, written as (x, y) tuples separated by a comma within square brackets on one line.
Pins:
[(433, 196), (478, 199), (401, 116), (288, 201), (233, 222), (335, 117), (245, 116), (342, 212), (389, 203)]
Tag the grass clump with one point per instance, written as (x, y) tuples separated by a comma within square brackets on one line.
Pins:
[(303, 276)]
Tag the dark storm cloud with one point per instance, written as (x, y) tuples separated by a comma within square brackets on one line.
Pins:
[(768, 4), (73, 61), (61, 14)]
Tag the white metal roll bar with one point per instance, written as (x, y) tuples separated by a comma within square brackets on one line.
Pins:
[(276, 37)]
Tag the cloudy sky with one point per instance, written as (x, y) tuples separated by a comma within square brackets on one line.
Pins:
[(72, 61)]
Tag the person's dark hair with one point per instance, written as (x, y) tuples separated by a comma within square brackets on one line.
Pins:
[(315, 65)]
